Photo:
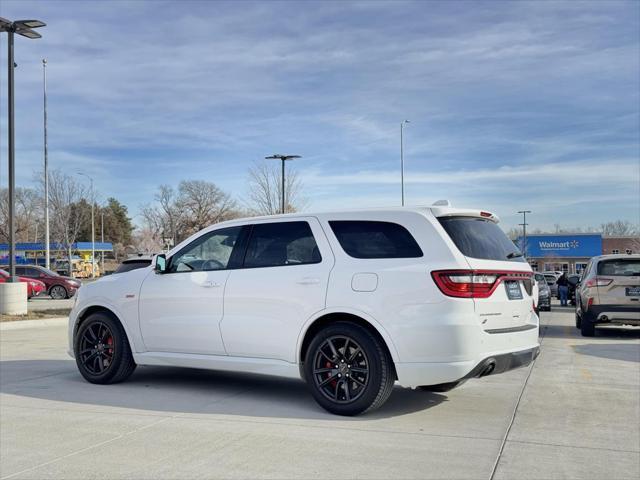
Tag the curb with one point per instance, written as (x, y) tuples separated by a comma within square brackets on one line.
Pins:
[(43, 322)]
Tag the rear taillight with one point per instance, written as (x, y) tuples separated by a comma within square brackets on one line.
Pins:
[(598, 282), (474, 283)]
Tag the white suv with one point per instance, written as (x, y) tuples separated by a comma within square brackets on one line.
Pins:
[(350, 301)]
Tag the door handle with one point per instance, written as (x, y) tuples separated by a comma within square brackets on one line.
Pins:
[(209, 284), (308, 281)]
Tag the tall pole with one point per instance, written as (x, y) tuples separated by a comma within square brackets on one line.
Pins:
[(402, 159), (12, 159), (282, 208), (524, 231), (93, 236), (47, 252), (102, 241)]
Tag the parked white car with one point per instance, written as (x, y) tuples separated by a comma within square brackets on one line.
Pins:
[(349, 301)]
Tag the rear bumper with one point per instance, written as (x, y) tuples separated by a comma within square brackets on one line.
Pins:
[(616, 314)]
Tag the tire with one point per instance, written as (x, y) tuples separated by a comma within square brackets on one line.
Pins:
[(58, 292), (112, 361), (578, 320), (587, 328), (351, 347)]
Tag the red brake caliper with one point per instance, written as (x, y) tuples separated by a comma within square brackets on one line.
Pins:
[(332, 382)]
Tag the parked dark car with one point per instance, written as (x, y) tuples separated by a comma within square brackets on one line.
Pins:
[(573, 280), (133, 263), (544, 293), (58, 287)]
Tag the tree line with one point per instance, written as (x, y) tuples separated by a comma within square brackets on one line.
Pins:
[(174, 214)]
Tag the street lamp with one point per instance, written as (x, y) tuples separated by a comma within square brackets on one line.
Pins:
[(524, 231), (23, 28), (402, 158), (283, 158), (93, 230), (47, 252)]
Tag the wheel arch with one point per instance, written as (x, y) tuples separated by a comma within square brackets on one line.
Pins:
[(97, 308), (328, 318)]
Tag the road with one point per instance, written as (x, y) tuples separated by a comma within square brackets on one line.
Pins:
[(573, 414)]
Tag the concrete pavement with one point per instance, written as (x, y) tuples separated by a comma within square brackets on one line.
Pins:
[(577, 412)]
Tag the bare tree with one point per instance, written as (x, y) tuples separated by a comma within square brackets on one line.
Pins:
[(265, 190), (203, 204), (27, 215), (619, 228), (145, 240), (164, 218), (65, 218)]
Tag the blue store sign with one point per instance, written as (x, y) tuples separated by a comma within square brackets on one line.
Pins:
[(583, 246)]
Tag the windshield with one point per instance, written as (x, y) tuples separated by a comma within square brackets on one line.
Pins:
[(480, 238)]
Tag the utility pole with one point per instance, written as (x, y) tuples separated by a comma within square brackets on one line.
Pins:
[(524, 231), (102, 242), (402, 159), (47, 252), (283, 158)]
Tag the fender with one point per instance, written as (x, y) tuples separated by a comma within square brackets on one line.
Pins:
[(135, 341), (352, 311)]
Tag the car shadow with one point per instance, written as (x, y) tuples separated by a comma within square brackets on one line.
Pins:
[(628, 352), (190, 391), (570, 331)]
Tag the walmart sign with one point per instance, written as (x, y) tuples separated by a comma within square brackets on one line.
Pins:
[(563, 245)]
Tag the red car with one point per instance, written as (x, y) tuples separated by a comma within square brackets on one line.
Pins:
[(58, 287), (34, 287)]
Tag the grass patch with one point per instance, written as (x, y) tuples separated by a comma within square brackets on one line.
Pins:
[(56, 312)]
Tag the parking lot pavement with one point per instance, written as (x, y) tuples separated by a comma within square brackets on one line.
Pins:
[(576, 416)]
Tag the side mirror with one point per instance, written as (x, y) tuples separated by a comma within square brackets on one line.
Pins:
[(160, 265)]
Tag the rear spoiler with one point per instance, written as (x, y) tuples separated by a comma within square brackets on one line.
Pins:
[(463, 212)]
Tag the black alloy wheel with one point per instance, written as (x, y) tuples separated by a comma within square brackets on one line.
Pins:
[(102, 350), (340, 369), (348, 369)]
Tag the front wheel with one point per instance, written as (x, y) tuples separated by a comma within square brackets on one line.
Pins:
[(102, 350), (348, 370), (58, 292)]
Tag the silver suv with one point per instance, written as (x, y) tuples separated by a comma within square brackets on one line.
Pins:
[(609, 293)]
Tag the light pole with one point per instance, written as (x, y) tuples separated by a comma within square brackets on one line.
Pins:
[(47, 252), (283, 158), (24, 28), (93, 230), (102, 242), (524, 231), (402, 158)]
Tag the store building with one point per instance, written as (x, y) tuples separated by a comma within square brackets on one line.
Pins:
[(571, 252)]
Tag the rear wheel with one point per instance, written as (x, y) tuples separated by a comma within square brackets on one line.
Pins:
[(348, 370), (58, 292), (102, 350), (587, 328)]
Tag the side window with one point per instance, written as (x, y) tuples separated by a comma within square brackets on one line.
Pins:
[(279, 244), (31, 272), (365, 239), (21, 271), (211, 251)]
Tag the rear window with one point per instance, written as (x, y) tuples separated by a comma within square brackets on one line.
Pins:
[(480, 238), (619, 267), (364, 239)]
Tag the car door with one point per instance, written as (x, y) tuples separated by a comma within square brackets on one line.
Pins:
[(180, 310), (282, 283)]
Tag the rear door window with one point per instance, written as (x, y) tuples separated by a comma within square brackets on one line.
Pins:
[(619, 267), (280, 244), (480, 238), (366, 239)]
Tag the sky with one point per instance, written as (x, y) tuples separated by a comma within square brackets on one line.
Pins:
[(512, 105)]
